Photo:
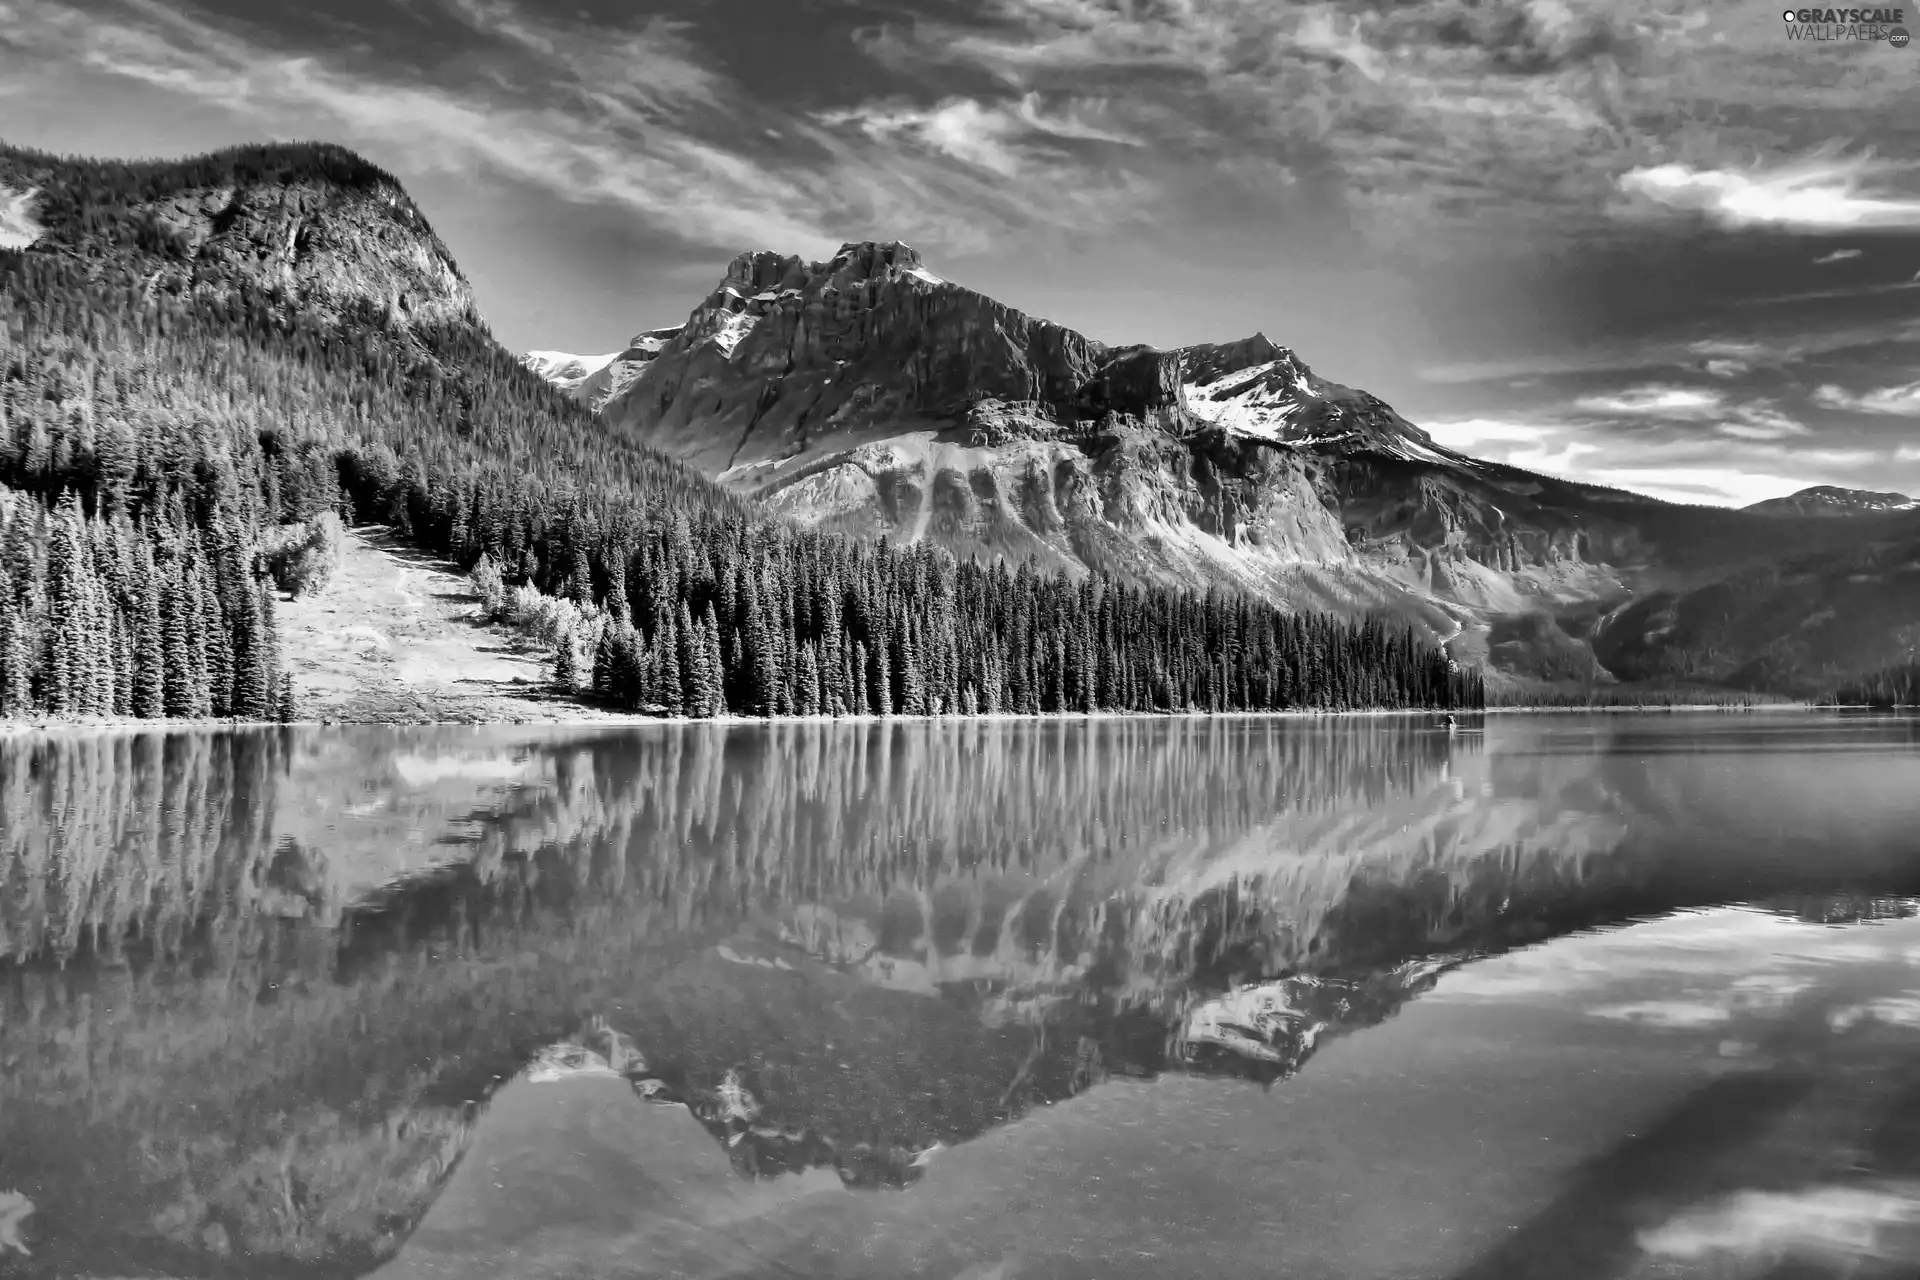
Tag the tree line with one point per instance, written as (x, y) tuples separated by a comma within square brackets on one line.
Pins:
[(197, 417), (111, 615), (1895, 686)]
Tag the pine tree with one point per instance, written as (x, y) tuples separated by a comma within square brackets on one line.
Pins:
[(253, 682), (880, 680), (150, 636), (692, 654), (857, 680), (177, 699), (808, 682), (716, 682), (68, 650), (673, 687), (566, 673)]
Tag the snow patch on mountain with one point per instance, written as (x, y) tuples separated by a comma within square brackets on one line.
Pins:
[(18, 229), (732, 329), (1248, 402), (1831, 500), (566, 370), (652, 342)]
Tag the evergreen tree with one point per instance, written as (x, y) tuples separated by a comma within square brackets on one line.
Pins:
[(566, 672), (673, 687), (150, 636)]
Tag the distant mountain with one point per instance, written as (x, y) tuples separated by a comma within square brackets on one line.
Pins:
[(1827, 500), (1802, 623), (593, 380), (869, 395)]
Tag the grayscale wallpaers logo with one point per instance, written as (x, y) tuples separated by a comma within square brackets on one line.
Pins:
[(1847, 24)]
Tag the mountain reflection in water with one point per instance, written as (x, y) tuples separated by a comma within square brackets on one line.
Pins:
[(271, 993)]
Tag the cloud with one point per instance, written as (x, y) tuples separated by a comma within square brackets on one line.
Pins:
[(1676, 1015), (1477, 116), (1685, 403), (1680, 444), (1838, 255), (1898, 401), (1898, 1011), (1837, 1226), (1822, 193), (1405, 127), (1744, 349), (1758, 420), (1467, 372), (637, 118), (1000, 138), (1465, 433)]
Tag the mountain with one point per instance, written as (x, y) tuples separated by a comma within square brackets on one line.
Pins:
[(1827, 500), (208, 357), (326, 231), (593, 380), (868, 395), (1802, 623)]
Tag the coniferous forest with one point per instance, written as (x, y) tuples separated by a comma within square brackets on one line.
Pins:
[(1896, 686), (150, 437)]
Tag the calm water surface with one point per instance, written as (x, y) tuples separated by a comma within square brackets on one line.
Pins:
[(1568, 997)]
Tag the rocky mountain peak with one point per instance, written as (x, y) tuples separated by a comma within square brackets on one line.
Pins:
[(856, 263), (817, 355), (871, 260)]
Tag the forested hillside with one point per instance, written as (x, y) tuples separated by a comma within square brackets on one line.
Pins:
[(194, 354)]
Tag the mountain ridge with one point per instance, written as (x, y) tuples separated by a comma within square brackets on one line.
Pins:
[(1833, 500), (245, 343), (866, 394)]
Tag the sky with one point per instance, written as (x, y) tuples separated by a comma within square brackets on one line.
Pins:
[(1647, 243)]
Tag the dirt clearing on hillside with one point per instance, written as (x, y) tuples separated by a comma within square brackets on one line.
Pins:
[(396, 636)]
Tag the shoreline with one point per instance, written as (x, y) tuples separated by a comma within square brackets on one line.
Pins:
[(589, 718)]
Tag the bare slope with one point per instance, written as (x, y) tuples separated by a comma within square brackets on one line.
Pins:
[(396, 636)]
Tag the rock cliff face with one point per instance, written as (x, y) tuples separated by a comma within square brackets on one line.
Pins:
[(867, 395), (323, 228), (789, 362)]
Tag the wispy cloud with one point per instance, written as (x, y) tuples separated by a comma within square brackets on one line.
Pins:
[(1004, 139), (1838, 255), (1748, 420), (637, 118), (1822, 193), (1685, 403), (1684, 444), (1074, 115), (1899, 401)]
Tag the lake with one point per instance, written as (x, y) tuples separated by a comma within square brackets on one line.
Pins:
[(1558, 996)]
